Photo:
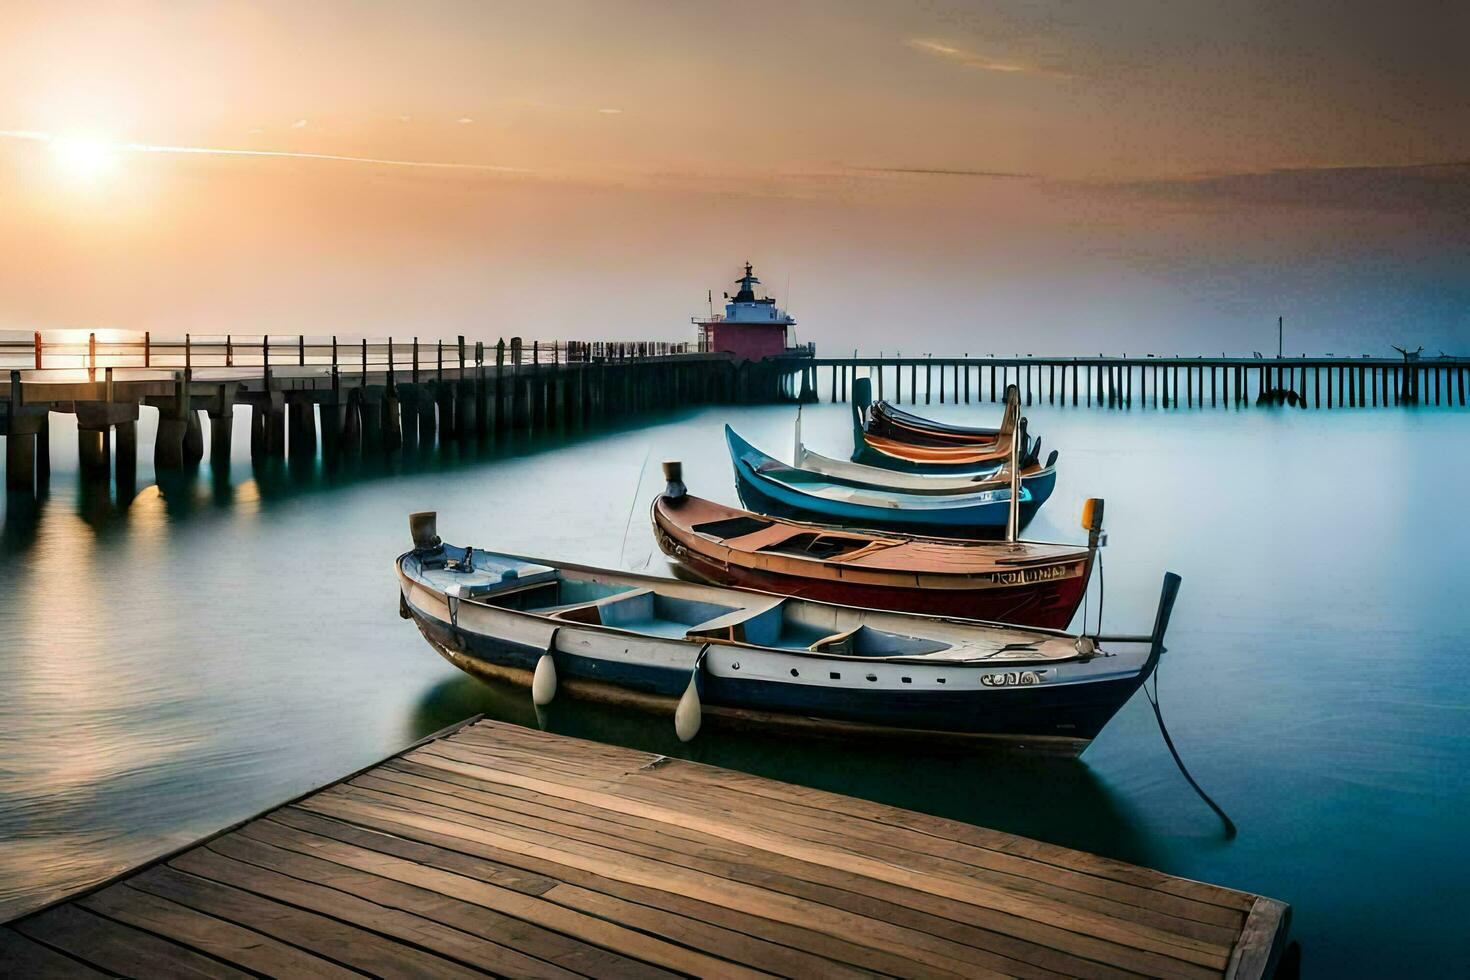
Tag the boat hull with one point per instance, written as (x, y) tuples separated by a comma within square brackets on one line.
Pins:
[(979, 521), (1073, 714), (1048, 605), (869, 455), (928, 434), (1060, 707)]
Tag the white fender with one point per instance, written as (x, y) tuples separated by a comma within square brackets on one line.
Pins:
[(688, 715), (543, 682)]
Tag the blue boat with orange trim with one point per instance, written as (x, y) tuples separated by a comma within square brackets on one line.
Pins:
[(769, 486)]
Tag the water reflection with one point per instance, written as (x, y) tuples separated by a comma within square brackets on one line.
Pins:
[(177, 658), (103, 498)]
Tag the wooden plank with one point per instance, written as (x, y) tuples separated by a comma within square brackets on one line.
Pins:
[(677, 914), (804, 882), (908, 847), (26, 959), (497, 735), (117, 949), (1261, 941), (857, 927), (537, 927), (1049, 914), (698, 845), (944, 958), (324, 936), (223, 940), (511, 851)]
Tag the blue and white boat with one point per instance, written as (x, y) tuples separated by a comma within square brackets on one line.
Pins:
[(769, 486), (770, 661)]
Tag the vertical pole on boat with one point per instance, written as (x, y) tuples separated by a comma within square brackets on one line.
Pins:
[(1013, 514), (796, 444)]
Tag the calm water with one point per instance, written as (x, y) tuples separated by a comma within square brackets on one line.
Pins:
[(180, 661)]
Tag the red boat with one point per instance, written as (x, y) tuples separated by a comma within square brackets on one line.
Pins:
[(1020, 582)]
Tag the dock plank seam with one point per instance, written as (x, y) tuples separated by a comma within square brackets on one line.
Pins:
[(802, 870), (839, 903), (793, 938), (665, 790), (1178, 947), (735, 891)]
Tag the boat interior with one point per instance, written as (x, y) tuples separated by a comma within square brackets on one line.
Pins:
[(761, 466), (678, 610), (843, 471), (896, 414), (749, 533)]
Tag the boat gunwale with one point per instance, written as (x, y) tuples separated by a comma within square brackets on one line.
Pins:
[(959, 580), (969, 662), (888, 409), (915, 502), (918, 426), (977, 485)]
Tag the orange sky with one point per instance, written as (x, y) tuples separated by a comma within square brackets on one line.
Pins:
[(638, 151), (1120, 89)]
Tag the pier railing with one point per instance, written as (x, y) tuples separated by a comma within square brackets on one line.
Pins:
[(1325, 381), (90, 353)]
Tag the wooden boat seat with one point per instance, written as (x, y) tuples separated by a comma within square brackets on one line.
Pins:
[(590, 612), (654, 613), (759, 622)]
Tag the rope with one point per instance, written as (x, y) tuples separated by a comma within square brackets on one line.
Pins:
[(633, 506), (1153, 699)]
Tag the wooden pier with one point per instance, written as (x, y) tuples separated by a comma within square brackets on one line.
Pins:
[(496, 849), (1153, 382), (312, 397)]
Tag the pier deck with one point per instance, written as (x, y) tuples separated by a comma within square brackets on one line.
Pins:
[(496, 849)]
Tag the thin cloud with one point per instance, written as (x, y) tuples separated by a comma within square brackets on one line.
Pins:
[(611, 112), (970, 59), (33, 136), (1438, 189), (464, 120), (944, 172), (299, 124)]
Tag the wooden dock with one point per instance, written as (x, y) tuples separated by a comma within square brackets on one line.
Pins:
[(496, 849), (337, 400)]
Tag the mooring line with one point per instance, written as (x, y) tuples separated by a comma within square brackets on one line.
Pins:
[(1153, 699)]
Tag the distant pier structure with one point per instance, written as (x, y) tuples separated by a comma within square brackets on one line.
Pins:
[(316, 396), (1156, 382)]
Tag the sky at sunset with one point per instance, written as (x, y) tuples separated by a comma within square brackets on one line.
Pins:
[(1007, 176)]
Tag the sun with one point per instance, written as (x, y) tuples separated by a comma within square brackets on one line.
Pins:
[(84, 158)]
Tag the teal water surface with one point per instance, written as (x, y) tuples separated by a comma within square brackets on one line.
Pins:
[(176, 661)]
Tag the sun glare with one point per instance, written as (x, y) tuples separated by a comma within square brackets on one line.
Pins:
[(85, 158)]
